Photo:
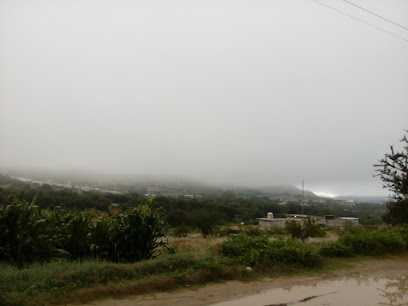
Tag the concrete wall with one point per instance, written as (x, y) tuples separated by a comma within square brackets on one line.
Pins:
[(266, 224)]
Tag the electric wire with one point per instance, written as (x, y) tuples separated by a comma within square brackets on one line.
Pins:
[(374, 26), (364, 9)]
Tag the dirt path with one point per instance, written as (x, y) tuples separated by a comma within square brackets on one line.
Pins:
[(215, 293)]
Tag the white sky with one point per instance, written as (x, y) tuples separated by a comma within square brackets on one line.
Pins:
[(231, 92)]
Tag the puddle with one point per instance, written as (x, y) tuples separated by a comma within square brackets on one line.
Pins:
[(346, 291)]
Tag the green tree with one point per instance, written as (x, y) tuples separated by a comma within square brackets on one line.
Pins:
[(393, 171), (305, 229), (206, 220)]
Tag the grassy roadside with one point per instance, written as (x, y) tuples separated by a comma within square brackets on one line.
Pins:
[(77, 283), (63, 282)]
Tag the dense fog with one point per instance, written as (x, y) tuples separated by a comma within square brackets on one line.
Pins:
[(249, 93)]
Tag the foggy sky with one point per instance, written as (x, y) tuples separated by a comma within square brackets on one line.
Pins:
[(226, 92)]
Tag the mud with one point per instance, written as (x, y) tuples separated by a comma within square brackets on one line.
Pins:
[(370, 283), (356, 290)]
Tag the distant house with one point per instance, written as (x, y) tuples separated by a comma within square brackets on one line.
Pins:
[(331, 221)]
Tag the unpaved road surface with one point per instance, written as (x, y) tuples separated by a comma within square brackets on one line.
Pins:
[(233, 290)]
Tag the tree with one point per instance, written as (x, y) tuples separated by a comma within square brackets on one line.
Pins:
[(206, 220), (393, 171), (305, 229)]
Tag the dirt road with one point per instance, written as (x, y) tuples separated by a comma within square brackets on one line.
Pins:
[(216, 293)]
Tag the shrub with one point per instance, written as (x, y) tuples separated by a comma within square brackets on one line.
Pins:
[(253, 231), (294, 228), (273, 231), (227, 230), (402, 231), (335, 249), (253, 250), (294, 253), (182, 231), (304, 229), (376, 242), (246, 250), (206, 221)]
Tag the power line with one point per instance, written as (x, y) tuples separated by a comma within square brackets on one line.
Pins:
[(364, 9), (374, 26)]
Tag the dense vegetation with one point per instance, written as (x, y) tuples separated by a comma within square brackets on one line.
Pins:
[(28, 233), (63, 281), (187, 214)]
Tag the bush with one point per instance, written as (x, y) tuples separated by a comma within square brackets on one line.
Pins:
[(253, 250), (402, 231), (246, 250), (182, 231), (252, 231), (227, 230), (294, 228), (206, 221), (373, 243), (294, 253), (365, 242), (304, 229), (335, 249)]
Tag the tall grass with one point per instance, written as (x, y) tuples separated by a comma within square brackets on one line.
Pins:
[(29, 234)]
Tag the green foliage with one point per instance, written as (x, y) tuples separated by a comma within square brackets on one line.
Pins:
[(335, 249), (252, 231), (206, 221), (182, 230), (397, 212), (371, 220), (293, 252), (304, 229), (254, 250), (180, 210), (23, 232), (373, 242), (246, 250), (29, 234), (402, 231), (137, 234), (294, 228), (365, 242), (393, 171)]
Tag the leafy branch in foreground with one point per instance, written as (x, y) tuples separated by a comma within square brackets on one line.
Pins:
[(393, 171)]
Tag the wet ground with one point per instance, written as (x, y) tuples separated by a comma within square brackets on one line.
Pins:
[(356, 290), (374, 282)]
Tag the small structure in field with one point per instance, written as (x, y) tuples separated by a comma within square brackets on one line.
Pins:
[(331, 221)]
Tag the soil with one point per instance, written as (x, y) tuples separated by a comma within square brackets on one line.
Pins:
[(216, 293)]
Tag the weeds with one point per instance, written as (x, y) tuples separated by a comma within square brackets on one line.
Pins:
[(254, 250)]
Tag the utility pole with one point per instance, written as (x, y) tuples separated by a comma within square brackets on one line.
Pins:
[(303, 194)]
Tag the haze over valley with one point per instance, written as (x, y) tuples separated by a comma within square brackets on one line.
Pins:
[(243, 94)]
